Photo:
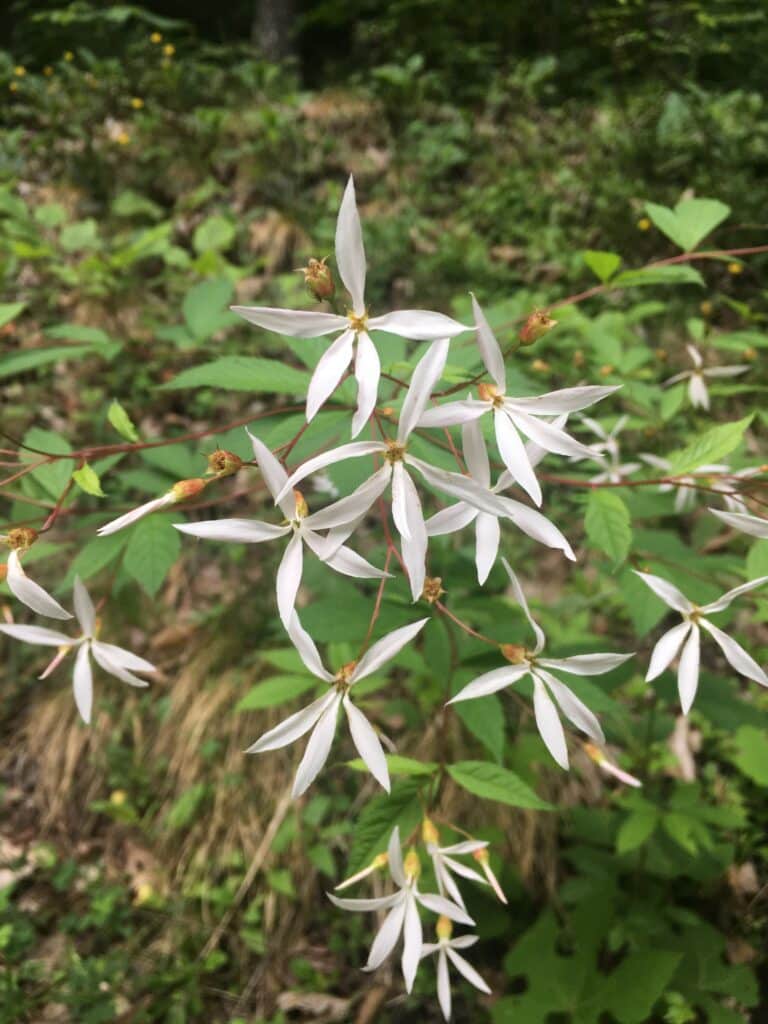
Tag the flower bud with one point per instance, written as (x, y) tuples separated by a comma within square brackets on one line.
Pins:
[(3, 572), (318, 279), (223, 463), (484, 860), (302, 509), (606, 370), (444, 927), (540, 365), (705, 308), (433, 589), (379, 861), (578, 358), (536, 326), (487, 392), (516, 654), (735, 268), (412, 865), (184, 489), (21, 538), (644, 224), (429, 833), (118, 797)]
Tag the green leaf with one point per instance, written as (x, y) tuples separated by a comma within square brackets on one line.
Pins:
[(635, 830), (608, 524), (243, 373), (87, 479), (54, 476), (213, 235), (205, 307), (9, 311), (712, 446), (153, 547), (689, 222), (493, 782), (603, 264), (121, 421), (21, 362), (97, 554), (183, 810), (751, 753), (485, 720), (674, 274), (83, 234), (378, 818), (274, 691), (79, 332), (399, 765)]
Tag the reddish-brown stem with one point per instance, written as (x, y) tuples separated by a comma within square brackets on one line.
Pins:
[(463, 625)]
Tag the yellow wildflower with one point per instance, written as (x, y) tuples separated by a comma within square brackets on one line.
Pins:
[(156, 37), (644, 224), (137, 102), (19, 71), (69, 56), (169, 49)]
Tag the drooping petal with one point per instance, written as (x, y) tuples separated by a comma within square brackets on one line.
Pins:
[(696, 357), (417, 324), (350, 252), (318, 748), (294, 727), (547, 436), (135, 514), (490, 682), (549, 725), (514, 455), (352, 508), (329, 371), (307, 651), (667, 648), (722, 602), (688, 670), (726, 371), (289, 578), (38, 635), (440, 905), (443, 984), (349, 563), (363, 905), (489, 348), (451, 520), (566, 400), (367, 373), (536, 525), (82, 683), (354, 450), (520, 597), (698, 392), (586, 664), (125, 659), (386, 648), (735, 654), (426, 374), (101, 654), (273, 475), (293, 323), (467, 970), (30, 593), (367, 743), (414, 545), (395, 858), (84, 610), (487, 539), (668, 593), (459, 486), (475, 453), (386, 937), (450, 413), (399, 500), (412, 940), (575, 710), (242, 531)]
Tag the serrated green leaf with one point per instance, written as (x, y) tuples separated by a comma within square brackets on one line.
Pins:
[(378, 818), (689, 222), (608, 524), (54, 476), (712, 446), (121, 421), (152, 549), (485, 719), (205, 307), (87, 479), (674, 274), (635, 830), (398, 765), (243, 373), (275, 691), (492, 782), (96, 554), (601, 263)]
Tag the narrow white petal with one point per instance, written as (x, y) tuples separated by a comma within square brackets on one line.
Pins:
[(367, 743), (82, 683), (349, 563), (566, 400), (722, 602), (37, 635), (318, 748), (676, 378), (445, 882), (417, 324), (463, 941), (350, 252), (469, 972), (349, 510), (135, 514), (536, 525), (726, 371), (575, 710), (242, 531), (688, 670), (461, 869), (289, 578), (100, 654), (668, 593), (395, 858), (534, 452), (84, 610), (547, 436), (329, 372), (735, 654), (273, 474), (487, 538), (364, 905), (450, 413), (412, 940), (698, 392), (30, 593), (490, 682), (517, 590), (666, 649), (367, 373), (386, 937), (414, 546), (294, 727), (399, 500), (514, 455), (426, 374), (443, 984), (475, 453), (440, 905), (354, 450), (451, 520), (549, 725), (489, 347), (125, 659), (466, 846), (586, 664), (306, 649), (386, 649), (293, 323), (459, 486), (696, 357)]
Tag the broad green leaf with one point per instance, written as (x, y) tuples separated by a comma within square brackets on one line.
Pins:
[(374, 826), (631, 991), (97, 554), (243, 373), (83, 234), (689, 222), (214, 234), (79, 332), (674, 274), (121, 421), (54, 476), (399, 765), (87, 479), (751, 753), (21, 362), (712, 446), (205, 307), (485, 720), (9, 311), (757, 560), (183, 810), (274, 691), (152, 549), (492, 782), (635, 830), (608, 524), (603, 264)]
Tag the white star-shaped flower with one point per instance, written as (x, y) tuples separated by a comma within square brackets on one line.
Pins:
[(446, 948), (607, 451), (515, 416), (445, 864), (406, 504), (685, 639), (487, 527), (752, 525), (723, 480), (545, 685), (30, 593), (115, 660), (403, 916), (299, 525), (354, 340), (698, 392), (320, 716)]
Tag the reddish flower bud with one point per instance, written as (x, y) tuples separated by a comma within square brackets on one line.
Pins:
[(184, 489), (223, 463), (318, 279), (3, 572), (536, 326), (514, 653), (433, 589), (21, 538)]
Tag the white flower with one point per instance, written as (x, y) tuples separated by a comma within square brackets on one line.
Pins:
[(606, 450), (685, 639), (299, 525), (513, 416), (30, 593), (180, 491), (697, 385), (416, 324), (487, 529), (527, 662), (406, 505), (444, 863), (320, 716), (446, 947), (115, 660), (753, 525), (403, 916), (722, 480)]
